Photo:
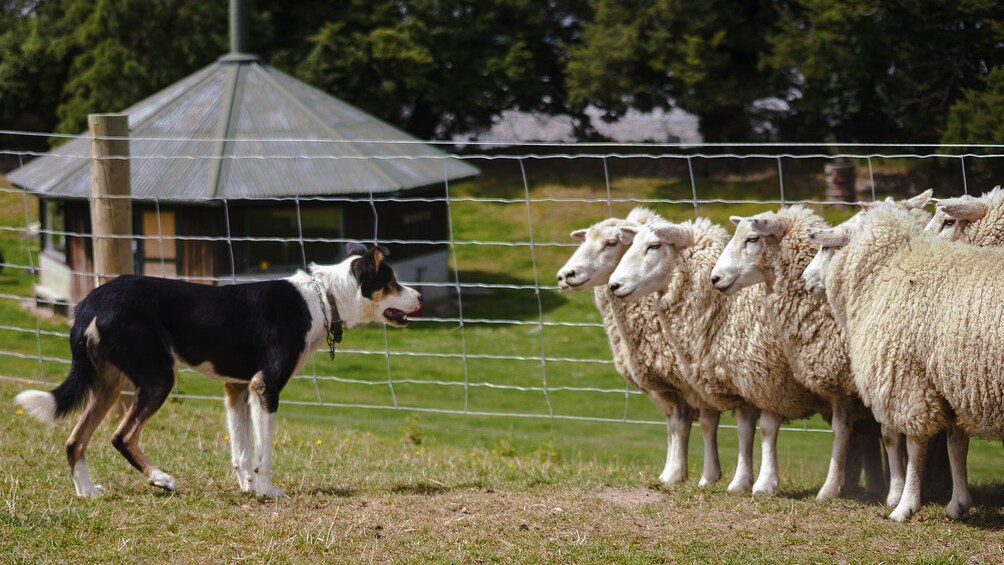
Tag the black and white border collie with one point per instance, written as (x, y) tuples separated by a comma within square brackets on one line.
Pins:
[(253, 337)]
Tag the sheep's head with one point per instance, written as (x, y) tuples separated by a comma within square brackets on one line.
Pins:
[(830, 242), (953, 215), (650, 260), (745, 260), (597, 256)]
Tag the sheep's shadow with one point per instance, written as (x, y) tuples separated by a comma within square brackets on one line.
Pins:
[(988, 512)]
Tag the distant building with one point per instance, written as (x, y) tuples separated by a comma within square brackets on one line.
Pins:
[(659, 126), (241, 107)]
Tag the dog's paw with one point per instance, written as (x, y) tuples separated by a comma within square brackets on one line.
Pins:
[(94, 490), (161, 479), (268, 491)]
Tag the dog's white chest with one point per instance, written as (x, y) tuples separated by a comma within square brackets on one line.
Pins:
[(209, 370)]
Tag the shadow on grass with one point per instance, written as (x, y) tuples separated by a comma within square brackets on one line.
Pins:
[(340, 492), (421, 487)]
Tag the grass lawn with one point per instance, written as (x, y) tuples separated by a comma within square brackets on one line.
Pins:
[(378, 484)]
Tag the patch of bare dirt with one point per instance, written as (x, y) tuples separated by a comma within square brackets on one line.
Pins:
[(630, 496)]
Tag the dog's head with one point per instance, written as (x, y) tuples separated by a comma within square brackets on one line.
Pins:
[(387, 300)]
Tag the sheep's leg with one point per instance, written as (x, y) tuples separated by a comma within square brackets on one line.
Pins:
[(679, 421), (893, 442), (958, 449), (909, 503), (682, 424), (768, 480), (745, 427), (841, 423), (709, 429), (875, 480)]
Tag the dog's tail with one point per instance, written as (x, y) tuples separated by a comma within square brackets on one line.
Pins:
[(71, 393)]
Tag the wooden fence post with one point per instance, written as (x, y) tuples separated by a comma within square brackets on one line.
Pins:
[(111, 208)]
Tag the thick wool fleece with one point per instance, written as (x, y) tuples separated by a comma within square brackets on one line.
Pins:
[(988, 231), (813, 342), (734, 354), (641, 354), (925, 322)]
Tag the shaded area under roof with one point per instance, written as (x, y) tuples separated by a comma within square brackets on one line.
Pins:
[(259, 111)]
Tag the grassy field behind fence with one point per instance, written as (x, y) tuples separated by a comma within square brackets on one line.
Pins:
[(380, 484)]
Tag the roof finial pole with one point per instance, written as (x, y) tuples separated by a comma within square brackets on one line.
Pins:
[(238, 26)]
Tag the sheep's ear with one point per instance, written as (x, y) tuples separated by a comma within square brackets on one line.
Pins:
[(736, 219), (673, 235), (968, 209), (626, 234), (934, 201), (769, 226), (918, 201), (828, 237), (866, 205), (354, 248), (579, 235)]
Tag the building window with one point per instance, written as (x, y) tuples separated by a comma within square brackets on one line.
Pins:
[(54, 236), (159, 247), (281, 228)]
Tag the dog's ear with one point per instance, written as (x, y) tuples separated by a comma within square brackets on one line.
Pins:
[(374, 257), (383, 249), (354, 248)]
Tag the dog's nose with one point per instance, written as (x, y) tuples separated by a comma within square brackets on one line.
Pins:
[(614, 287), (715, 279)]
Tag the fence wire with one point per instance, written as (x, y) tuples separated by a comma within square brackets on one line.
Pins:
[(500, 340)]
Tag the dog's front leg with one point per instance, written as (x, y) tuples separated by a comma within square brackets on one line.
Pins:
[(263, 407), (239, 426)]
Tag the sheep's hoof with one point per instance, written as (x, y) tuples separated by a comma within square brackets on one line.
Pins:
[(902, 513), (828, 492), (767, 487), (740, 486), (958, 511), (672, 478), (705, 481)]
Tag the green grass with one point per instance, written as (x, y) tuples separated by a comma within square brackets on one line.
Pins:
[(404, 485)]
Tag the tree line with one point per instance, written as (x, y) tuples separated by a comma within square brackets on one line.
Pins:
[(791, 70)]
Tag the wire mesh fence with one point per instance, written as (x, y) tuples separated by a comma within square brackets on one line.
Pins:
[(497, 336)]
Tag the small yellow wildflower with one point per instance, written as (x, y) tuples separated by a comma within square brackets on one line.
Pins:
[(226, 438), (317, 442), (19, 411)]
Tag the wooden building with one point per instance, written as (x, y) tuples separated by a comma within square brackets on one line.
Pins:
[(240, 171)]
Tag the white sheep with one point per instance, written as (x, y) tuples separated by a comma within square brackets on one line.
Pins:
[(729, 348), (976, 221), (639, 352), (772, 248), (923, 319)]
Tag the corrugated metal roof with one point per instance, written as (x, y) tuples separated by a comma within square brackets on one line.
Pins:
[(261, 111)]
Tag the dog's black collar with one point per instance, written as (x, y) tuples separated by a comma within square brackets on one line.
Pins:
[(334, 326)]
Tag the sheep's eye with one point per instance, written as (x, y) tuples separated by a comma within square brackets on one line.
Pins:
[(824, 249), (753, 239), (611, 242), (949, 222), (654, 246)]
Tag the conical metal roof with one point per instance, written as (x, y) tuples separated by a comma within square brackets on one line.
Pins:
[(189, 140)]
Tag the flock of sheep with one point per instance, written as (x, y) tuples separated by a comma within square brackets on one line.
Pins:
[(893, 315)]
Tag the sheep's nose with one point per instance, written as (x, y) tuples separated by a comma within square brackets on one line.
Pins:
[(568, 274), (715, 279), (614, 287)]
